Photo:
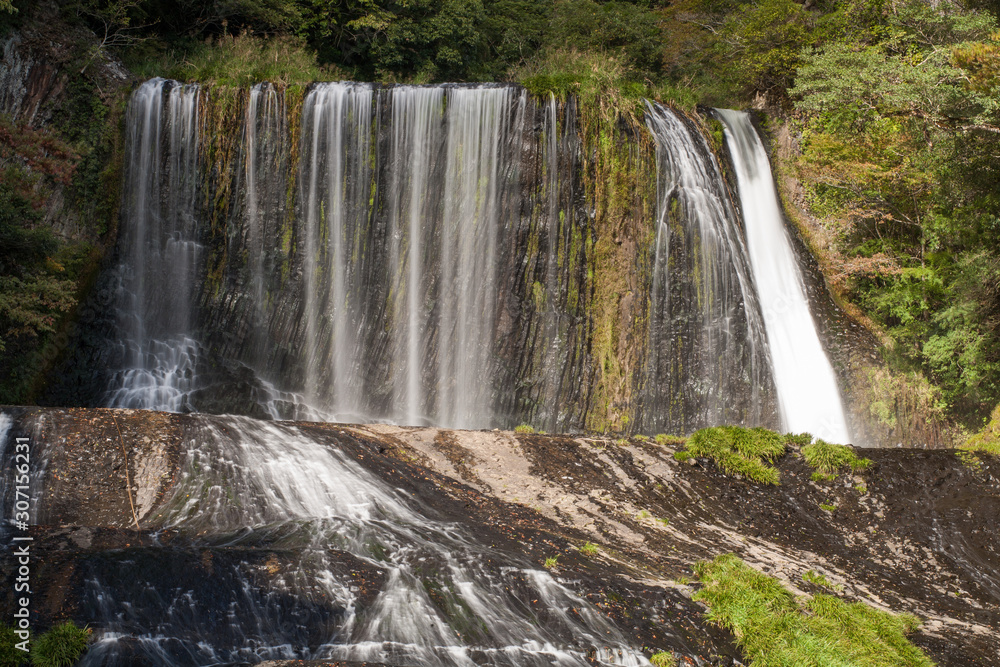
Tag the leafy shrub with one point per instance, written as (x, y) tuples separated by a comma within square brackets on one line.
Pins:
[(987, 440), (61, 646)]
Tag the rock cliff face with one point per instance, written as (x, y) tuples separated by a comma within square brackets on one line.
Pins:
[(912, 533)]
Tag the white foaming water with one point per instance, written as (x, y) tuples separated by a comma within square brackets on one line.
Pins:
[(807, 387), (247, 482)]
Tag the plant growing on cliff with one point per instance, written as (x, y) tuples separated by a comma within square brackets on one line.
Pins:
[(828, 458), (739, 451), (774, 629), (61, 646)]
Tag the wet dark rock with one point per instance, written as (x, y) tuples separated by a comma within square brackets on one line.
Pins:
[(919, 537)]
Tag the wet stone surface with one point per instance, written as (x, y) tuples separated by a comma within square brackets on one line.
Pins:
[(915, 532)]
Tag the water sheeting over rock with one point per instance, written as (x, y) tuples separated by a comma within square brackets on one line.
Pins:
[(456, 255)]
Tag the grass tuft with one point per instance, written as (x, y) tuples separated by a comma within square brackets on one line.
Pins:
[(773, 629), (589, 549), (551, 562), (666, 439), (829, 459), (10, 655), (61, 646), (739, 451), (798, 439), (524, 428), (663, 659)]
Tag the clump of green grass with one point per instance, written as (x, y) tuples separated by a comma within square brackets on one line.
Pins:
[(589, 549), (663, 659), (774, 629), (682, 455), (61, 646), (829, 459), (10, 655), (641, 438), (818, 579), (551, 562), (666, 439), (524, 428), (829, 507), (798, 439), (822, 477), (739, 451)]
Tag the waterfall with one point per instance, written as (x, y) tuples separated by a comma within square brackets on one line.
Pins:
[(469, 232), (424, 255), (263, 136), (444, 598), (806, 384), (336, 182), (417, 127), (708, 354), (159, 250)]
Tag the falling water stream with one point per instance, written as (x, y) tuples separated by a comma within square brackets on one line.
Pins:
[(373, 279), (708, 355), (159, 250), (807, 387)]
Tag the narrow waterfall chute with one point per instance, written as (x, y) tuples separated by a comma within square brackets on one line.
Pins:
[(707, 350), (159, 250), (806, 384)]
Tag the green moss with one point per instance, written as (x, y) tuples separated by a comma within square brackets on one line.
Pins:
[(774, 629), (665, 439), (828, 507), (828, 458), (61, 646), (740, 451)]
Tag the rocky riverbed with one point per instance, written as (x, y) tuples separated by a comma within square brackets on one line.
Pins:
[(915, 532)]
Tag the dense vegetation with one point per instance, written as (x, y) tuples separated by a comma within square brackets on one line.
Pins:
[(894, 106)]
